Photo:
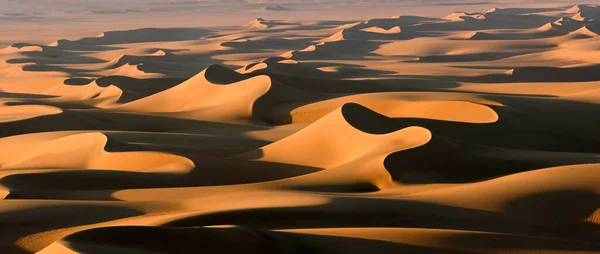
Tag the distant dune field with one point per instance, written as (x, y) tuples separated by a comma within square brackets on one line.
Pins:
[(451, 128)]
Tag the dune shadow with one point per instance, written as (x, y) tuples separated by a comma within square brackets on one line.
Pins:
[(340, 50), (70, 120), (24, 221), (208, 171), (134, 89), (553, 74), (229, 240), (145, 35), (490, 56), (373, 212)]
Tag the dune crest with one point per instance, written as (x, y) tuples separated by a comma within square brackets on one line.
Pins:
[(39, 151), (339, 36), (463, 16), (220, 94), (258, 23), (577, 184), (337, 128), (585, 32), (394, 105), (23, 112), (379, 30)]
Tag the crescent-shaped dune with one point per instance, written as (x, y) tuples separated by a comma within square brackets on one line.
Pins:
[(320, 128), (219, 94), (337, 128), (396, 105)]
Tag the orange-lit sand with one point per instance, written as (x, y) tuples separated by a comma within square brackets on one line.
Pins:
[(473, 132)]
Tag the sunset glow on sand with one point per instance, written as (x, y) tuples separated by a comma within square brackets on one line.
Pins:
[(299, 127)]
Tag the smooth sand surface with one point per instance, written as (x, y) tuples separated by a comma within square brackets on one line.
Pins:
[(462, 128)]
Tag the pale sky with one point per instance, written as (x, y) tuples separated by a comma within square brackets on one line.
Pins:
[(44, 21)]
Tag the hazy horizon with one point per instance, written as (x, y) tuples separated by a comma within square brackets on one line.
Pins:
[(49, 20)]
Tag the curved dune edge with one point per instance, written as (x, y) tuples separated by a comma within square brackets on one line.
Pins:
[(462, 16), (258, 23), (121, 214), (80, 150), (23, 112), (90, 94), (255, 67), (352, 141), (550, 29), (222, 95), (230, 96), (399, 105), (379, 30), (339, 36), (572, 192), (580, 179), (586, 32)]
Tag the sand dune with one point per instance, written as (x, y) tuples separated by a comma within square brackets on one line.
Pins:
[(222, 95), (34, 151), (207, 99), (471, 130), (22, 112), (362, 143), (258, 23), (402, 105), (379, 30)]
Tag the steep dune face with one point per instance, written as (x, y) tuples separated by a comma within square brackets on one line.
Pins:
[(567, 24), (87, 94), (584, 13), (550, 29), (357, 139), (587, 32), (258, 23), (471, 133), (262, 24), (218, 94)]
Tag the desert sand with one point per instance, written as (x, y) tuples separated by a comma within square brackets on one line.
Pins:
[(458, 130)]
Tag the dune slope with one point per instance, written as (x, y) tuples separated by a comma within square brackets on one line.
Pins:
[(469, 132)]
